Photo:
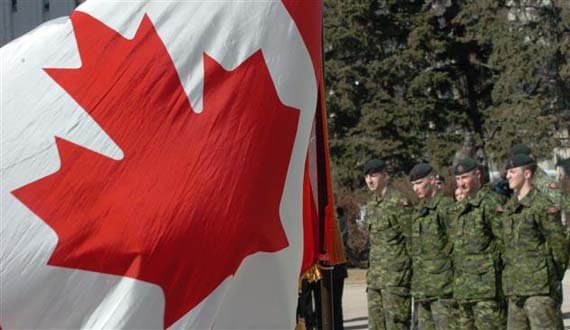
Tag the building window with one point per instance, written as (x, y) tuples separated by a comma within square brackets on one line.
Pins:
[(46, 5), (14, 6)]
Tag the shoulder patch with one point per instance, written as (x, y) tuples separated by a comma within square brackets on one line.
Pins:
[(500, 209), (553, 210), (554, 185)]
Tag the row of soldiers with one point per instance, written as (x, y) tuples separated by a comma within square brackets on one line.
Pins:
[(479, 263)]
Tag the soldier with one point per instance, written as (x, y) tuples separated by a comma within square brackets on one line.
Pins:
[(474, 232), (389, 273), (431, 253), (535, 251), (547, 185)]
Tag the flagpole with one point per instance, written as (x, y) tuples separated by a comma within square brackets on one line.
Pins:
[(325, 209), (327, 307)]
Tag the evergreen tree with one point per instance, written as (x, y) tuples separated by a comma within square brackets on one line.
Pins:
[(422, 80), (527, 57)]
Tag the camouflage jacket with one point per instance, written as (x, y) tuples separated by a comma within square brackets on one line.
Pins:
[(497, 198), (387, 223), (548, 186), (535, 246), (474, 231), (431, 250)]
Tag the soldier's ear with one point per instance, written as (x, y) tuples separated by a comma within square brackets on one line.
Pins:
[(527, 172), (477, 174)]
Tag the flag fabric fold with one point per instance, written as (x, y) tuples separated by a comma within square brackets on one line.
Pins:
[(321, 233)]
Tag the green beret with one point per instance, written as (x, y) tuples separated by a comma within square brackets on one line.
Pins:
[(420, 171), (520, 149), (374, 166), (466, 165), (518, 160)]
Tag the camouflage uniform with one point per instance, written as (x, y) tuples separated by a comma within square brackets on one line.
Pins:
[(548, 186), (390, 268), (431, 258), (497, 198), (535, 255), (475, 231)]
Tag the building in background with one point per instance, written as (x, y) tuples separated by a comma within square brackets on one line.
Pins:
[(20, 16)]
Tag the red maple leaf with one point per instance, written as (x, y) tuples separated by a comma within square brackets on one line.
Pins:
[(194, 193)]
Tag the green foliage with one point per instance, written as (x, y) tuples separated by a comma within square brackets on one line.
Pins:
[(409, 80)]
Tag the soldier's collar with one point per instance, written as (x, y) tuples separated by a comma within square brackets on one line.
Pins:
[(476, 200), (389, 190), (377, 198), (529, 198), (462, 207)]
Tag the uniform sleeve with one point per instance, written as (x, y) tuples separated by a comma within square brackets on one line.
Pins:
[(399, 215), (443, 210), (445, 216), (553, 232), (494, 218), (405, 220)]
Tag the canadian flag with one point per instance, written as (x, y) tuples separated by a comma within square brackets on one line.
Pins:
[(154, 160)]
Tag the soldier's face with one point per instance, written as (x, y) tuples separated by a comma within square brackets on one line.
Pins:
[(469, 182), (424, 188), (373, 180), (459, 195), (516, 178)]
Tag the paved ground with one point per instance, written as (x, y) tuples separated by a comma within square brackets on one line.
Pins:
[(355, 309), (354, 306)]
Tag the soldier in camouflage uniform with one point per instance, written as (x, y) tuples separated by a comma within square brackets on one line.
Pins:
[(547, 185), (475, 232), (535, 251), (390, 272), (431, 253)]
